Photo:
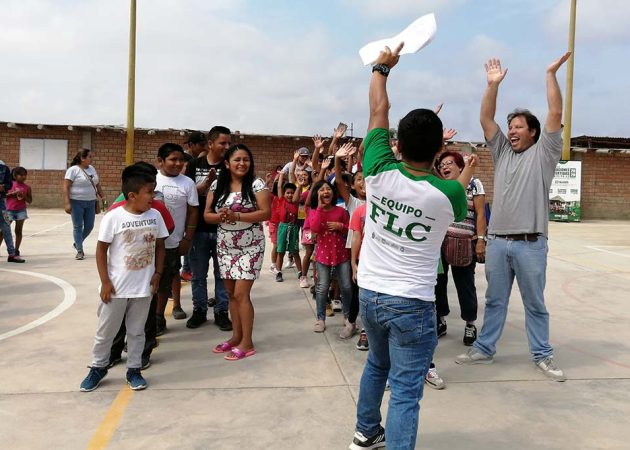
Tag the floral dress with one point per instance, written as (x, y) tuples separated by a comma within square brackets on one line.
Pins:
[(240, 246)]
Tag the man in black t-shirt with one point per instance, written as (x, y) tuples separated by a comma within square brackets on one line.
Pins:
[(203, 171)]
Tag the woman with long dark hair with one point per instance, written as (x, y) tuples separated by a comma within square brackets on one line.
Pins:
[(82, 196), (239, 202)]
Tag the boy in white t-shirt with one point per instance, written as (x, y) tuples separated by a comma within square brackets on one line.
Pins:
[(181, 199), (129, 258)]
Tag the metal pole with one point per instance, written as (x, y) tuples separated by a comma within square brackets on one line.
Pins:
[(131, 86), (568, 102)]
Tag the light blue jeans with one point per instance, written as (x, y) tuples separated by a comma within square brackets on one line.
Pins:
[(402, 335), (344, 278), (5, 227), (83, 215), (527, 261), (202, 251)]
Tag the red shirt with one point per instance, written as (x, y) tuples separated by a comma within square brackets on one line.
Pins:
[(331, 245), (357, 221), (275, 213), (287, 211)]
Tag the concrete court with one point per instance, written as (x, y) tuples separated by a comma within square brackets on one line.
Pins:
[(299, 391)]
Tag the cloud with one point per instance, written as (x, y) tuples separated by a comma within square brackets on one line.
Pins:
[(596, 20), (402, 8)]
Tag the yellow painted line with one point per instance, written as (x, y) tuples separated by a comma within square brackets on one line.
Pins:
[(108, 426)]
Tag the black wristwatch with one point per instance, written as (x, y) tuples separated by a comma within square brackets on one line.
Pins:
[(381, 68)]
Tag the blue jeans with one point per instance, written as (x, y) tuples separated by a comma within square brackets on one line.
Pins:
[(204, 248), (402, 335), (527, 261), (344, 278), (5, 228), (83, 214)]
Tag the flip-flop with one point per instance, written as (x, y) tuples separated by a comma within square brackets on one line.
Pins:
[(236, 354), (222, 348)]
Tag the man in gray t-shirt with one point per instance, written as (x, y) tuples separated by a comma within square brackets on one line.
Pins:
[(525, 161)]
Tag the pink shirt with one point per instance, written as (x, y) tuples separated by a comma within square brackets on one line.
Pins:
[(331, 245), (13, 204)]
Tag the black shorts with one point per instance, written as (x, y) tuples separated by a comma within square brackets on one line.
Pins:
[(172, 264)]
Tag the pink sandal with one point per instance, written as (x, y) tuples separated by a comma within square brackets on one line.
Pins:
[(222, 348), (236, 354)]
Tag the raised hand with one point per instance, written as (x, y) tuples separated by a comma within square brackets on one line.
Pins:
[(318, 142), (338, 132), (326, 163), (346, 150), (553, 68), (448, 133), (494, 73), (472, 160), (388, 57)]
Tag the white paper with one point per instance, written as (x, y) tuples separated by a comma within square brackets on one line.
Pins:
[(416, 36)]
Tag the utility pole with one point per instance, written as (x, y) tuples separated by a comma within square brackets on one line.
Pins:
[(568, 101), (131, 87)]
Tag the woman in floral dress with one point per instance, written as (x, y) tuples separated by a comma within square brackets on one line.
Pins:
[(239, 203)]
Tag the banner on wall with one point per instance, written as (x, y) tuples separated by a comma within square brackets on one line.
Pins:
[(565, 192)]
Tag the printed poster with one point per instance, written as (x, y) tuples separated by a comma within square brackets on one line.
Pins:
[(565, 192)]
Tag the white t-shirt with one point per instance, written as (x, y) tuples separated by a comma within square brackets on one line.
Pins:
[(405, 223), (81, 187), (178, 193), (131, 255)]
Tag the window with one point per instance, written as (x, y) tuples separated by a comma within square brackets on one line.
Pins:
[(44, 154)]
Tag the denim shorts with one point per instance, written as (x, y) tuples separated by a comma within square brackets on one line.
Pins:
[(19, 214)]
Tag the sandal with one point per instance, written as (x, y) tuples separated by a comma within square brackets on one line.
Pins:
[(222, 348), (236, 354)]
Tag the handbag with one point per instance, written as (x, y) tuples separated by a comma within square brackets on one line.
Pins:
[(458, 250)]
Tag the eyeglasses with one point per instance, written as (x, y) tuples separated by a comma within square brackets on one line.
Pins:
[(446, 163)]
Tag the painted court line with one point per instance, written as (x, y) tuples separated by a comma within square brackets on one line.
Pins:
[(50, 229), (70, 296), (109, 424), (599, 249)]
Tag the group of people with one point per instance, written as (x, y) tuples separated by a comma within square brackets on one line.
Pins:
[(380, 223)]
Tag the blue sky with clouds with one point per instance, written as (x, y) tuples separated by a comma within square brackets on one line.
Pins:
[(292, 67)]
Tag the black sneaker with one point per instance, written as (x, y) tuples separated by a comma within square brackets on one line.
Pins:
[(211, 302), (470, 335), (135, 380), (160, 325), (93, 379), (15, 259), (279, 277), (360, 442), (197, 319), (312, 289), (222, 320), (362, 343), (441, 328), (146, 363)]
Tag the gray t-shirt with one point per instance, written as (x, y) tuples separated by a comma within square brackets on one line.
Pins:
[(521, 184)]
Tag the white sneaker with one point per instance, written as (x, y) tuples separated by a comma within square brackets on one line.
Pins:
[(320, 326), (304, 282), (472, 356), (348, 330), (434, 380), (550, 369), (289, 264), (273, 269), (336, 305)]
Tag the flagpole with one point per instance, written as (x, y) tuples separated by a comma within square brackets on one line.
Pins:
[(131, 87), (568, 102)]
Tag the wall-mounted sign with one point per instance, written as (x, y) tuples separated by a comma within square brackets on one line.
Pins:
[(565, 192)]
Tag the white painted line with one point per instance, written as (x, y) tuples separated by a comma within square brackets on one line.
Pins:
[(70, 296), (50, 229), (599, 249)]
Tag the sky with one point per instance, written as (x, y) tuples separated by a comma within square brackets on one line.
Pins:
[(292, 67)]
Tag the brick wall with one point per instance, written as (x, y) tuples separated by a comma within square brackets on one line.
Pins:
[(604, 193)]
